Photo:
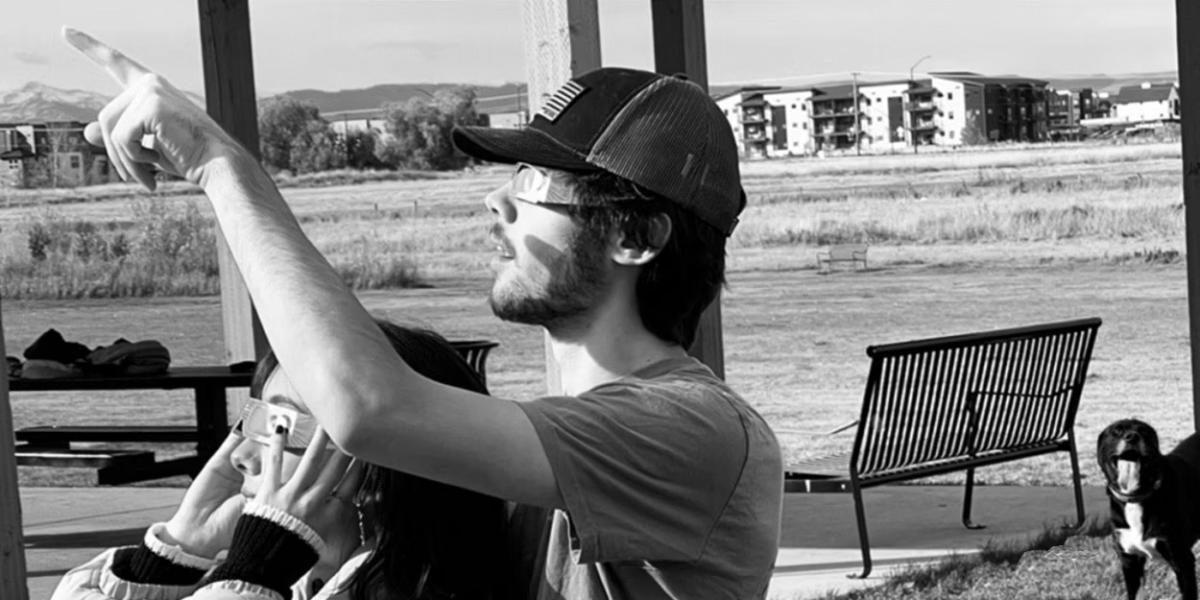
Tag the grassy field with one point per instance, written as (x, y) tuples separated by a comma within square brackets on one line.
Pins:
[(960, 242)]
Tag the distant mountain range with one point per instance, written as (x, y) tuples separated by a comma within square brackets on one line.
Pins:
[(39, 102)]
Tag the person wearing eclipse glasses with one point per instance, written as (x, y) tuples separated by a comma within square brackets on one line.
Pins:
[(660, 480), (369, 532)]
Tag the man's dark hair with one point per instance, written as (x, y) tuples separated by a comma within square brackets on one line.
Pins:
[(674, 288)]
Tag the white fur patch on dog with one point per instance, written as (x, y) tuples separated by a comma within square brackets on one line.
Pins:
[(1133, 540)]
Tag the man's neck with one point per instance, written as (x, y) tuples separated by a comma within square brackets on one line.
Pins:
[(609, 348)]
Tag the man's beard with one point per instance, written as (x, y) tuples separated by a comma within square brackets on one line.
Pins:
[(576, 280)]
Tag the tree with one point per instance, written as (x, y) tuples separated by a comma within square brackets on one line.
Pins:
[(317, 148), (420, 130), (360, 150), (281, 121)]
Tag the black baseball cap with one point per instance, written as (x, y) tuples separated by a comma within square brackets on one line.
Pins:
[(661, 132)]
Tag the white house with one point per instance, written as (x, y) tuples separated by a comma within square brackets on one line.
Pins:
[(1146, 102)]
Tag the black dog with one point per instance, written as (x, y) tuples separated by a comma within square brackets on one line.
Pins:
[(1155, 501)]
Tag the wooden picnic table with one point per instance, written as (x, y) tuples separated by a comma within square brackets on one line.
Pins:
[(50, 445)]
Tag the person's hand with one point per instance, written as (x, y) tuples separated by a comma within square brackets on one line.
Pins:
[(151, 123), (320, 492), (203, 524)]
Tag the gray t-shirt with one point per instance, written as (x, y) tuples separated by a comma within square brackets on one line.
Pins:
[(673, 486)]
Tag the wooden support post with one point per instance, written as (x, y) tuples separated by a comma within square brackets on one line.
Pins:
[(12, 547), (562, 39), (679, 47), (1187, 20), (229, 94)]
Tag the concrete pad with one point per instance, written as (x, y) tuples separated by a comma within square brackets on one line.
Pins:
[(64, 527), (907, 525)]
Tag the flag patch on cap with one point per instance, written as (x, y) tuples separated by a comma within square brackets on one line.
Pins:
[(556, 104)]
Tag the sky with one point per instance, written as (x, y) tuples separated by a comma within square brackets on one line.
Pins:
[(346, 44)]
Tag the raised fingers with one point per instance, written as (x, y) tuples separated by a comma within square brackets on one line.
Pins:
[(334, 471), (347, 489), (122, 68), (314, 460), (273, 468)]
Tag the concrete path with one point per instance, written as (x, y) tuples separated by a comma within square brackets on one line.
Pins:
[(65, 527)]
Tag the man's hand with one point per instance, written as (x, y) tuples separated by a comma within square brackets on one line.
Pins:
[(203, 524), (151, 123)]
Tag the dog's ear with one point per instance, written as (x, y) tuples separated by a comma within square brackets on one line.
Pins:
[(1104, 448)]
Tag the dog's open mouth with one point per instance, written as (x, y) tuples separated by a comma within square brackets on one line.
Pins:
[(1129, 475)]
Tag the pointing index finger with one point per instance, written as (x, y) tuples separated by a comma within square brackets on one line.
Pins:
[(122, 68)]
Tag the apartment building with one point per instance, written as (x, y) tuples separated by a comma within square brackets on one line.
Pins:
[(750, 117), (791, 127)]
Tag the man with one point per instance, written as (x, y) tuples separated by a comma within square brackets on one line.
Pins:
[(610, 235)]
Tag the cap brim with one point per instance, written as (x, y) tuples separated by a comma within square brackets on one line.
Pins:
[(518, 145)]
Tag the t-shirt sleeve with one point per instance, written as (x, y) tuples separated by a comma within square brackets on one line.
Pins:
[(645, 471)]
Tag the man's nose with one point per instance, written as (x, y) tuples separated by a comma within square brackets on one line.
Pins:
[(501, 204)]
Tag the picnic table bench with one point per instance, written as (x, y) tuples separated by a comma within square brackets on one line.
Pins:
[(957, 403), (854, 254), (51, 445)]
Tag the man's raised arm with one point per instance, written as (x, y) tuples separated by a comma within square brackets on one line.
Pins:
[(372, 404)]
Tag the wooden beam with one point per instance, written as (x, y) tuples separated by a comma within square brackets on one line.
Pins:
[(1187, 20), (679, 47), (231, 101), (562, 39), (12, 546)]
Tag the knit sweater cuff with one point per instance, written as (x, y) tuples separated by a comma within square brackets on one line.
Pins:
[(139, 564), (157, 562), (270, 548)]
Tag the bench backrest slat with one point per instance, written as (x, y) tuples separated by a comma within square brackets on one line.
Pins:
[(958, 396)]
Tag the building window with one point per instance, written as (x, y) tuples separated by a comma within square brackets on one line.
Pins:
[(951, 114), (949, 95), (74, 162)]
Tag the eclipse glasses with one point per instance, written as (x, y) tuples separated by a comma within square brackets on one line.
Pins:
[(259, 420)]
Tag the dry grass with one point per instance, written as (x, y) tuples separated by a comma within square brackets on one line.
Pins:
[(1107, 242)]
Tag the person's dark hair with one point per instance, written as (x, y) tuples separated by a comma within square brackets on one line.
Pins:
[(675, 288), (432, 541)]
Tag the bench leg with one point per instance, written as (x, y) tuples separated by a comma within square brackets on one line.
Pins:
[(967, 494), (863, 543), (1079, 516)]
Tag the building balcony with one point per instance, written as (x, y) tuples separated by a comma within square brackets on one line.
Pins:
[(757, 136), (844, 114), (919, 106), (754, 118), (831, 133), (925, 126)]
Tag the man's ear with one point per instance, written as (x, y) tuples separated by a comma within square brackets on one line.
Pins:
[(654, 232)]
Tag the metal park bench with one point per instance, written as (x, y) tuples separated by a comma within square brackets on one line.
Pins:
[(957, 403), (855, 254)]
